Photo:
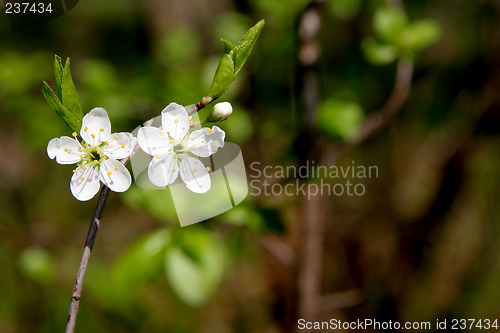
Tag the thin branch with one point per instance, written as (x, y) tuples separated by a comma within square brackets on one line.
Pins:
[(200, 105), (89, 243), (376, 121), (340, 300)]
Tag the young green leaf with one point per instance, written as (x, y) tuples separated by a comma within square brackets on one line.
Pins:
[(389, 23), (195, 269), (378, 53), (340, 118), (242, 50), (70, 98), (224, 76), (58, 74), (420, 34), (73, 123), (228, 46), (142, 261)]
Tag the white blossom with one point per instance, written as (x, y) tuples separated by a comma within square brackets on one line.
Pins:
[(96, 156), (175, 150), (221, 112)]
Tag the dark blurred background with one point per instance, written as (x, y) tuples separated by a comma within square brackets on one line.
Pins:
[(421, 244)]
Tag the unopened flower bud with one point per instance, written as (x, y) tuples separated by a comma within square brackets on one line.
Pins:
[(221, 112)]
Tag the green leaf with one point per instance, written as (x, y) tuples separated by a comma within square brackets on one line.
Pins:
[(142, 261), (344, 9), (420, 34), (58, 74), (194, 269), (340, 118), (70, 98), (228, 46), (37, 264), (389, 23), (379, 53), (242, 50), (224, 76), (73, 123)]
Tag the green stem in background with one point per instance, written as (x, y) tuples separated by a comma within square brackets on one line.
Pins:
[(87, 250)]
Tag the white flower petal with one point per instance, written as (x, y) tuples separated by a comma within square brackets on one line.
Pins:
[(175, 121), (204, 142), (195, 176), (115, 175), (163, 171), (223, 110), (65, 149), (119, 145), (84, 183), (96, 127), (153, 140)]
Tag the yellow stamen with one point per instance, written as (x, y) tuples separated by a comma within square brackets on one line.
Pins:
[(99, 151), (74, 134), (157, 156), (190, 117), (86, 128), (82, 179), (66, 149), (106, 143), (101, 130), (209, 130), (160, 132), (215, 150), (115, 137), (123, 145), (202, 141), (109, 173), (116, 168), (194, 170), (208, 169), (176, 121), (173, 170), (74, 171), (171, 142), (93, 136)]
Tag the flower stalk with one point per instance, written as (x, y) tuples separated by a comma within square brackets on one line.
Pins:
[(87, 250)]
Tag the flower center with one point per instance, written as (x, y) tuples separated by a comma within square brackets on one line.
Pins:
[(178, 148), (92, 155)]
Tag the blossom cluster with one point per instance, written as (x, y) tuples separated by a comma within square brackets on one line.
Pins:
[(101, 156)]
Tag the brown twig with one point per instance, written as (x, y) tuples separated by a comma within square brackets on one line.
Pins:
[(80, 276)]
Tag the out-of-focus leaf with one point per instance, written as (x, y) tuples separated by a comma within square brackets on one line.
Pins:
[(37, 264), (340, 118), (389, 23), (70, 98), (244, 47), (420, 34), (224, 76), (194, 269), (244, 216), (142, 261), (58, 74), (73, 123), (157, 203), (228, 46), (344, 9), (379, 53)]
